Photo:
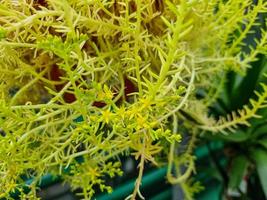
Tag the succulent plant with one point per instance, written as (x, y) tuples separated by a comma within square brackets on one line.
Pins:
[(99, 79)]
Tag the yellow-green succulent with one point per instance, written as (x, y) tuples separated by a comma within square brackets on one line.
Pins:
[(100, 79)]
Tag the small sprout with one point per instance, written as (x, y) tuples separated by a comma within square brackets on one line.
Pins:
[(175, 137)]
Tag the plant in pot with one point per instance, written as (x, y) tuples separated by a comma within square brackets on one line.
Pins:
[(84, 82), (245, 148)]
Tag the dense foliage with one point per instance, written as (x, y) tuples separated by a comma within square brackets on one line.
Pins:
[(244, 175), (98, 79)]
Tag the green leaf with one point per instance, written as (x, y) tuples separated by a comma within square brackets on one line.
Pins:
[(239, 166), (237, 136), (245, 90), (263, 142), (260, 158), (239, 89), (259, 131)]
